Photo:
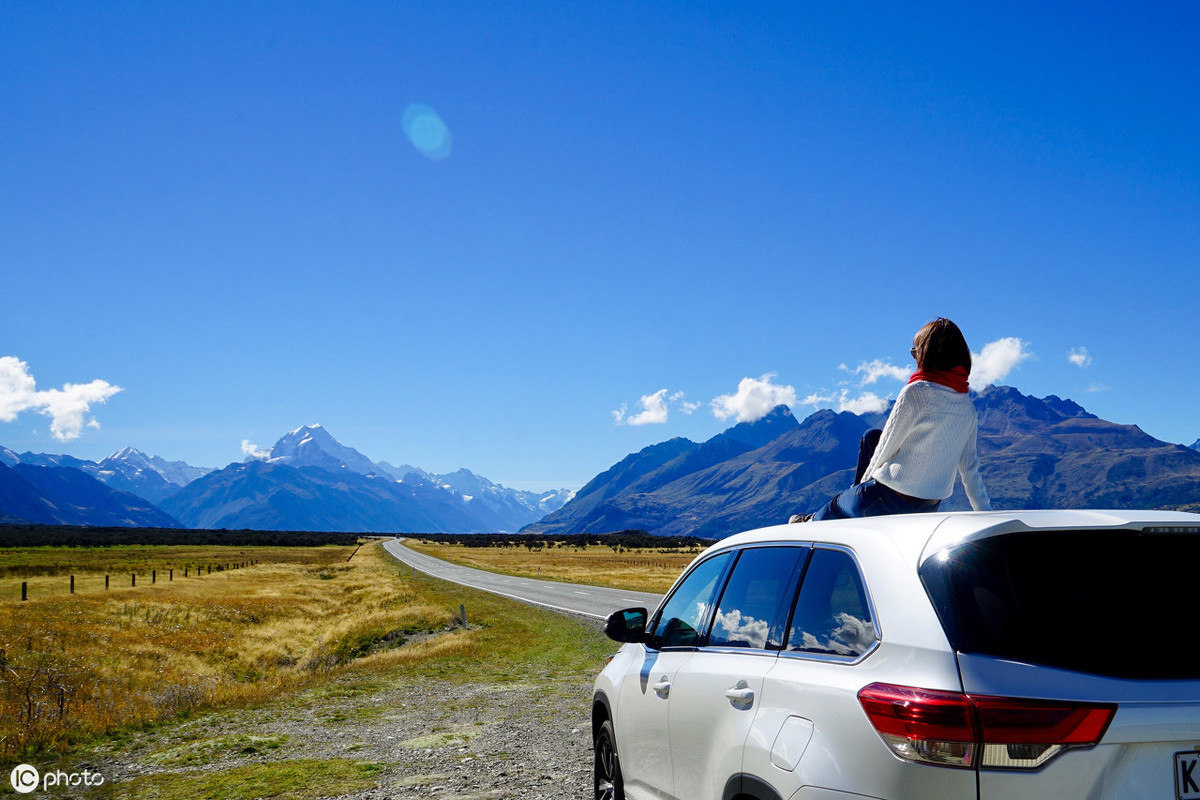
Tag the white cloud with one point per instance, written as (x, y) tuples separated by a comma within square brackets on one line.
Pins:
[(683, 405), (872, 371), (18, 392), (655, 409), (67, 408), (253, 451), (817, 400), (754, 399), (997, 360), (1079, 357), (865, 403)]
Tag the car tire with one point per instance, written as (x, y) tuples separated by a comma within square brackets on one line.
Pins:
[(606, 772)]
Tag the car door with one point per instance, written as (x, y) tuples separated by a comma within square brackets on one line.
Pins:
[(642, 720), (810, 713), (716, 692)]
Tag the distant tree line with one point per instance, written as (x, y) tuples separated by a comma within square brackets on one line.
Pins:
[(81, 536), (627, 539)]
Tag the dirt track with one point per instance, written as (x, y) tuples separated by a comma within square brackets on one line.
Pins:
[(431, 738)]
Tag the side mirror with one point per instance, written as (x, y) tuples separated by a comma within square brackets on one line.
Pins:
[(628, 625)]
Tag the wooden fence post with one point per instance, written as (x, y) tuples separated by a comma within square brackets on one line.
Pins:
[(24, 591), (72, 584), (106, 583)]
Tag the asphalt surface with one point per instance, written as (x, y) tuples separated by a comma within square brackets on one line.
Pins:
[(572, 598)]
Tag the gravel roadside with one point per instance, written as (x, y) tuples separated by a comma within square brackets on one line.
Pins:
[(432, 738)]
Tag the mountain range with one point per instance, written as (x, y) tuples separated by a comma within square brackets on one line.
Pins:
[(1034, 453), (69, 496), (308, 481), (129, 470)]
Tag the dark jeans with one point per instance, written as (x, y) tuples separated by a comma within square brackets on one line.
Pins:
[(866, 451), (871, 498)]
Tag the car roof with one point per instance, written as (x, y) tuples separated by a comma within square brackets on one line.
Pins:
[(917, 536)]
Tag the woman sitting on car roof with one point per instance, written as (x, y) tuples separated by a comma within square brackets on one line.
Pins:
[(930, 435)]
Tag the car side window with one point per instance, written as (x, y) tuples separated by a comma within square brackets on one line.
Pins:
[(832, 614), (748, 614), (684, 614)]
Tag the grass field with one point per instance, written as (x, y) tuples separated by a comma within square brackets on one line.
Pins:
[(47, 571), (76, 667), (643, 570)]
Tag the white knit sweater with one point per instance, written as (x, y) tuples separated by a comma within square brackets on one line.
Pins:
[(928, 437)]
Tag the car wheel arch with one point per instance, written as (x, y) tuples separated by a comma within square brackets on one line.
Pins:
[(601, 711), (748, 787)]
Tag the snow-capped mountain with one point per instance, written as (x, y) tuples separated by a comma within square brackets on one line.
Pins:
[(490, 506), (45, 460), (151, 477), (179, 473), (8, 458), (501, 507), (129, 470), (312, 446), (307, 481), (265, 495)]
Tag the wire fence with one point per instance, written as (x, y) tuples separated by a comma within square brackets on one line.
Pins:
[(41, 587)]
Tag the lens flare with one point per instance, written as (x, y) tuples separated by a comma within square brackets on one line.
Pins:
[(427, 132)]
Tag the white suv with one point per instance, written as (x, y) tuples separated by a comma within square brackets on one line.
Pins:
[(1024, 655)]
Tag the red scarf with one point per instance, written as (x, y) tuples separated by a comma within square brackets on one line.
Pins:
[(955, 378)]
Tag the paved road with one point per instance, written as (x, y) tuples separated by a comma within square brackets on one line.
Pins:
[(590, 601)]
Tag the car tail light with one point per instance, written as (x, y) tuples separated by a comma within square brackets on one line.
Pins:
[(962, 730)]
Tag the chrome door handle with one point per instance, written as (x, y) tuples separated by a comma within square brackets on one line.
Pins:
[(663, 688)]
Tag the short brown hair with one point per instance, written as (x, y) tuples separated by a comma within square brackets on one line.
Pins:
[(941, 347)]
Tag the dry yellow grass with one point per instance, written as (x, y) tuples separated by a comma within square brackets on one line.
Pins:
[(78, 667), (47, 571), (644, 570), (73, 666)]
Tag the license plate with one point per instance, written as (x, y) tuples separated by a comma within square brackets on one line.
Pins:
[(1187, 776)]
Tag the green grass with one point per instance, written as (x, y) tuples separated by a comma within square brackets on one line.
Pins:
[(512, 641), (439, 739), (300, 779), (205, 751)]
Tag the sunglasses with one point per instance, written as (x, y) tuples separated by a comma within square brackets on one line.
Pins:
[(913, 352)]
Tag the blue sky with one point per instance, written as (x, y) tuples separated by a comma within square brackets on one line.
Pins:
[(592, 215)]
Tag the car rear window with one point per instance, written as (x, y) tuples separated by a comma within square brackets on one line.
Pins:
[(1108, 603), (832, 615)]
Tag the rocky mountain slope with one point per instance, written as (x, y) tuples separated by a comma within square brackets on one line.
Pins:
[(128, 470), (69, 496), (1035, 453)]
